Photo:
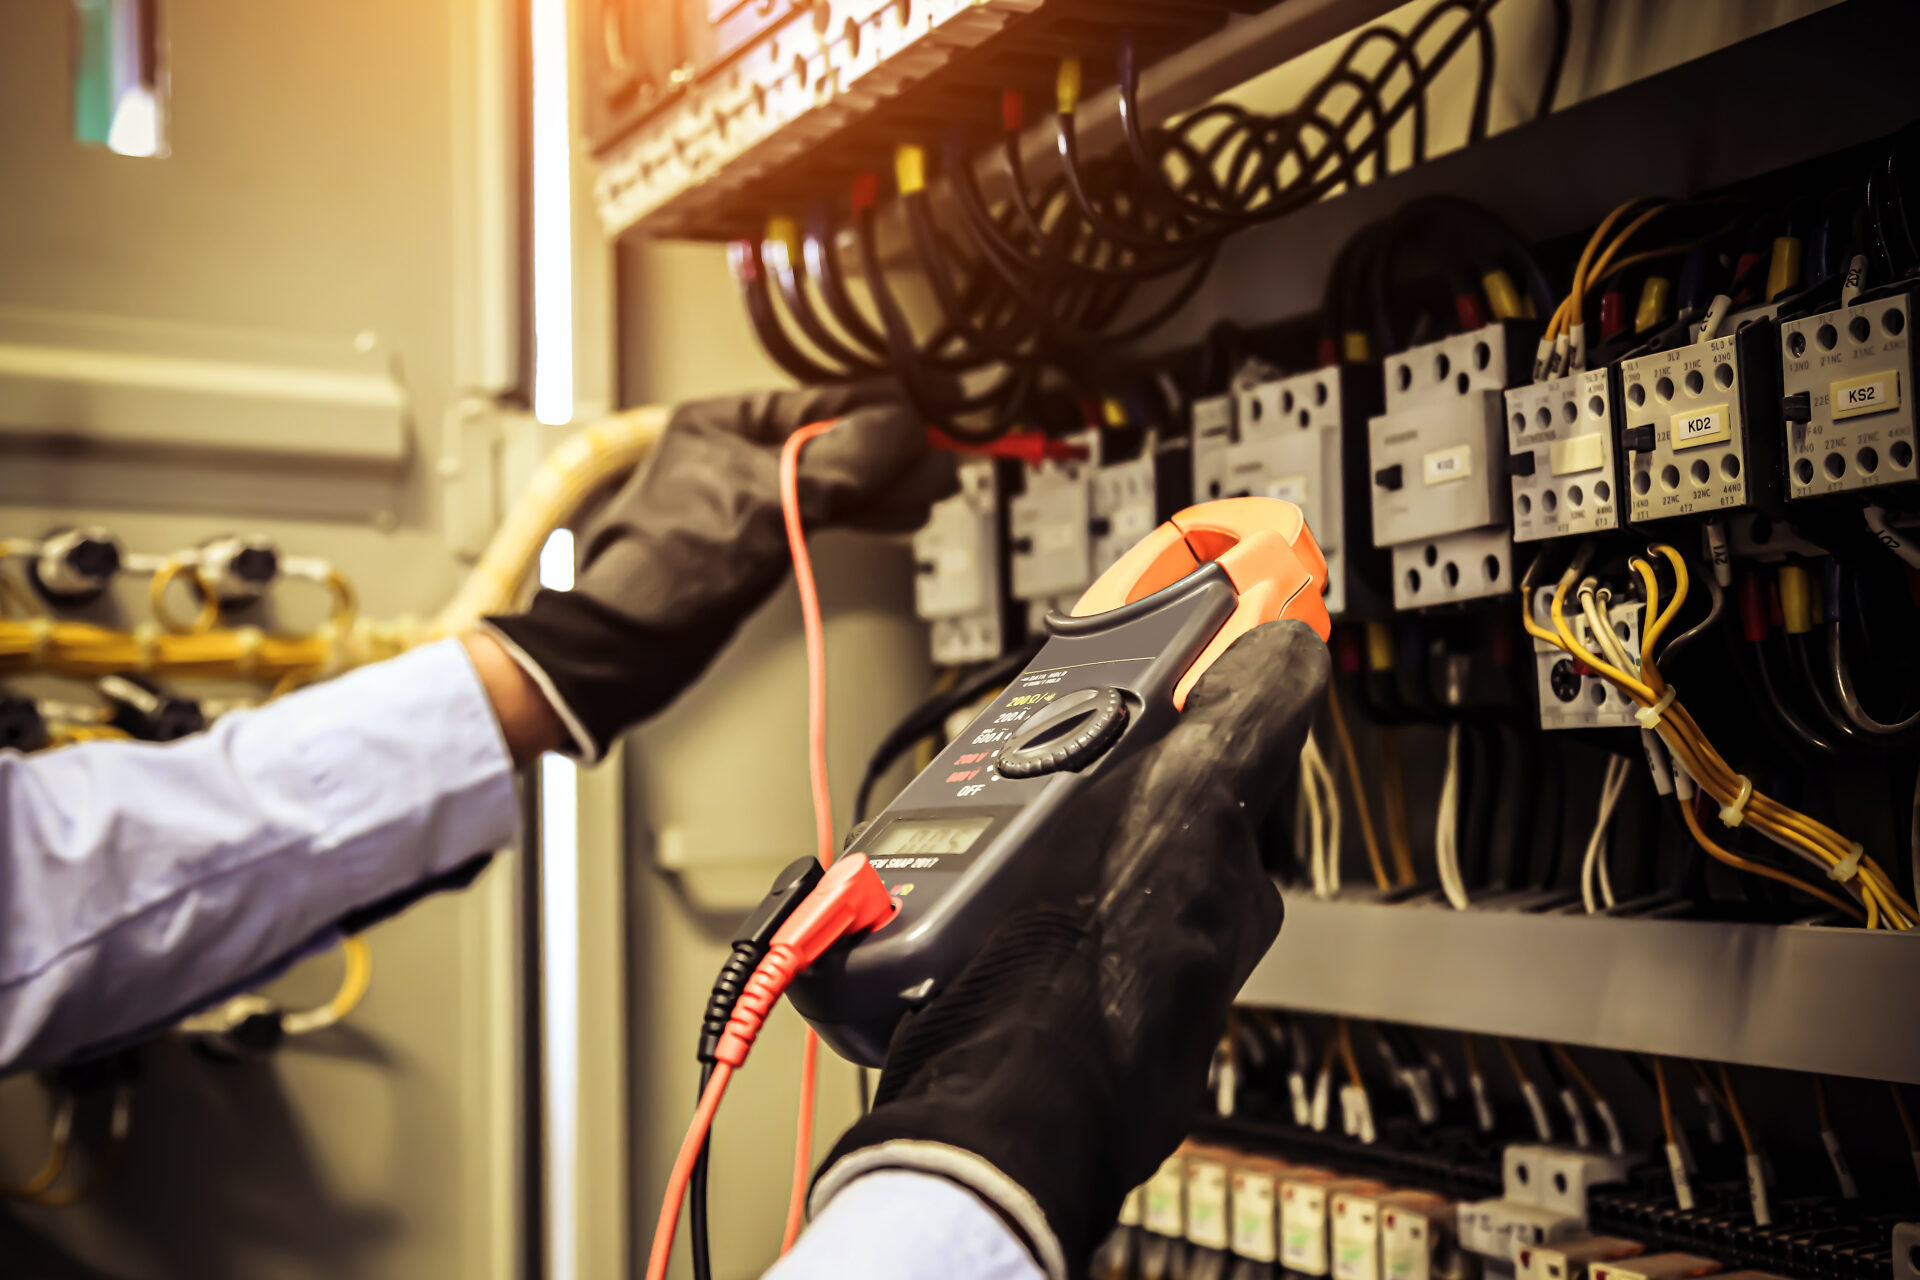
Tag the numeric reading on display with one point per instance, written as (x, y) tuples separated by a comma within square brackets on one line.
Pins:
[(928, 837)]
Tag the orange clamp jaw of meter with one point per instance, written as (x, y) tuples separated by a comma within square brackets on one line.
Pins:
[(1263, 544)]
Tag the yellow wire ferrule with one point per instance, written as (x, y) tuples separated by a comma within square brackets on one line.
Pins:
[(785, 232), (1113, 412), (1066, 85), (1796, 599), (910, 168), (1783, 269), (1734, 812), (1848, 867), (1502, 297), (1649, 717), (1379, 647), (1357, 349), (1653, 303)]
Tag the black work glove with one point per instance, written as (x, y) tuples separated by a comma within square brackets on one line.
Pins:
[(1069, 1058), (694, 542)]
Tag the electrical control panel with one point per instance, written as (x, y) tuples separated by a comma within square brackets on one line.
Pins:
[(1296, 439), (1437, 458), (704, 121), (1702, 431), (1563, 458), (959, 587), (1846, 378), (1572, 697)]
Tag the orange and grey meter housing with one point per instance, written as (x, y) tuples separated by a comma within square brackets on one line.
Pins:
[(962, 845)]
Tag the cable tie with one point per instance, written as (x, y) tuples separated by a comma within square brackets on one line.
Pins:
[(1734, 814), (1848, 867), (39, 636), (1649, 718), (247, 641), (146, 637)]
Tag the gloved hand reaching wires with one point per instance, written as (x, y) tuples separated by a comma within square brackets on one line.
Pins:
[(694, 543), (1068, 1059)]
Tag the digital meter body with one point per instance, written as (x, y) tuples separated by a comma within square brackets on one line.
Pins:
[(961, 847)]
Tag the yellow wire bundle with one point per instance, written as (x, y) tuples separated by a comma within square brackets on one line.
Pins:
[(1740, 801), (587, 461)]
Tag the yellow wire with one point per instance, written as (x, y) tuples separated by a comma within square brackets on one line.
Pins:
[(354, 981), (1394, 798), (1579, 1076), (1696, 755), (1906, 1117), (1345, 1037), (1733, 1109), (209, 612), (1666, 1100), (1513, 1062), (1562, 318), (1761, 869), (49, 1172), (1357, 787)]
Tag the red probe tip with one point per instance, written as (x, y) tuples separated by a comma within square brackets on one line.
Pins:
[(849, 899)]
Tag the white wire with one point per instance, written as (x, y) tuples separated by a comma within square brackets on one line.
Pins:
[(1315, 817), (1323, 819), (1877, 521), (1594, 866), (1446, 841), (1331, 806)]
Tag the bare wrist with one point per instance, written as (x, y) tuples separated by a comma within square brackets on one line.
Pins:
[(528, 722)]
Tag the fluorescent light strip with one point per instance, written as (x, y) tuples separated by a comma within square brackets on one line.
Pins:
[(560, 967), (552, 201)]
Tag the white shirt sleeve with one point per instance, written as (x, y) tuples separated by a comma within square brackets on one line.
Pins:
[(899, 1224), (139, 881)]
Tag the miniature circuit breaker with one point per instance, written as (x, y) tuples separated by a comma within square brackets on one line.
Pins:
[(959, 580), (1437, 455), (1050, 536), (1846, 379), (1563, 460)]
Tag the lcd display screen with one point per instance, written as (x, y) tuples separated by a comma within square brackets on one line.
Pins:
[(928, 837)]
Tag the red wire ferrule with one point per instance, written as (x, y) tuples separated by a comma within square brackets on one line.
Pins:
[(865, 192), (1613, 314), (1467, 307), (850, 899), (1753, 610), (1013, 110)]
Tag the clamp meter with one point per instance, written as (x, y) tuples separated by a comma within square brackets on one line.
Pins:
[(958, 848)]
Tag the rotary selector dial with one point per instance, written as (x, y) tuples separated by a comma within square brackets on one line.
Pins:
[(1068, 734)]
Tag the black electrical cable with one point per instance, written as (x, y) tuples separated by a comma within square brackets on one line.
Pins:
[(1422, 77), (743, 257), (750, 943), (823, 264), (1786, 714), (697, 1236), (793, 291), (931, 714), (1557, 59)]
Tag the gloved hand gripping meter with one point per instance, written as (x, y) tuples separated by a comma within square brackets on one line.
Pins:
[(959, 846)]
